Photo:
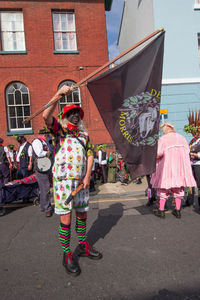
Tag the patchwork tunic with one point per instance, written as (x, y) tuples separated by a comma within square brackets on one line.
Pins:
[(69, 168)]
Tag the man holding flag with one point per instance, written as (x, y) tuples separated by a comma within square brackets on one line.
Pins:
[(72, 166)]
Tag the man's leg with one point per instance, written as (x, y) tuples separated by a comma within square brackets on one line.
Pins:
[(178, 194), (64, 237), (6, 173), (104, 170), (84, 247), (162, 195), (1, 175), (44, 187)]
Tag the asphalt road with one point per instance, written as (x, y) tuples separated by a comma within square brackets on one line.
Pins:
[(144, 257)]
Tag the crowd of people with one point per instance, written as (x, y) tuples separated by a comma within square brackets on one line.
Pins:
[(67, 161), (16, 164)]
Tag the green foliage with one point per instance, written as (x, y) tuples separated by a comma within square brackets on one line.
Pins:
[(101, 147), (191, 129), (44, 128), (15, 137)]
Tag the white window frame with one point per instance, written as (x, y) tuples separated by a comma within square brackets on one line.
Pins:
[(12, 31), (69, 99), (66, 33), (196, 4), (17, 117)]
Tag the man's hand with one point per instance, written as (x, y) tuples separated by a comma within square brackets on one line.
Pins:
[(47, 114), (48, 154), (64, 90), (193, 154), (86, 182), (30, 167)]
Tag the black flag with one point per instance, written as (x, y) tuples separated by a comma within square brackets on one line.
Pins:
[(128, 99)]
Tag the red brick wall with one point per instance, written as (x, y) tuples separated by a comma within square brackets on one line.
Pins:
[(42, 71)]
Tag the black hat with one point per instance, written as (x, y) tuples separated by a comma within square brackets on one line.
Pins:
[(20, 137), (1, 141)]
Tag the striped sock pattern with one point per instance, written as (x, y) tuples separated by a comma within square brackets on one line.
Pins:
[(64, 236), (81, 229)]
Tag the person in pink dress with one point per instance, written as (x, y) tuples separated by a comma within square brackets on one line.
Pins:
[(173, 170)]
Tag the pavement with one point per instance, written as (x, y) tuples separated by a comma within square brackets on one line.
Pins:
[(144, 257), (108, 190)]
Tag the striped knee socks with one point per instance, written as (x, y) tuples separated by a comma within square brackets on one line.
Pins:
[(64, 236), (81, 230)]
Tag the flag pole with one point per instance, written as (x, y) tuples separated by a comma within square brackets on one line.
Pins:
[(85, 79)]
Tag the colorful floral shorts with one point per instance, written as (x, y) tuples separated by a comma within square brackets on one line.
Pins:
[(62, 190)]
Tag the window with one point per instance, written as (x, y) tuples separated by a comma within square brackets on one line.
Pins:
[(198, 36), (12, 31), (197, 4), (64, 31), (18, 106), (73, 98)]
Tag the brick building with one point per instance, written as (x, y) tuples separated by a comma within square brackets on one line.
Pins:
[(43, 45)]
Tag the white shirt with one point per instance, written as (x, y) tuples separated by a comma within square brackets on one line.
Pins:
[(102, 162), (37, 145), (11, 155), (6, 151), (30, 151), (94, 162)]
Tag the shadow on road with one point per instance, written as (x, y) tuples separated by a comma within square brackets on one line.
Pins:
[(107, 218)]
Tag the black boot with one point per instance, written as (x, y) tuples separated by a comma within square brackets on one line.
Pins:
[(71, 267), (160, 213), (176, 213), (86, 250), (151, 201)]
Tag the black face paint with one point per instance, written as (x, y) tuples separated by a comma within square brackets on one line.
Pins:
[(73, 116)]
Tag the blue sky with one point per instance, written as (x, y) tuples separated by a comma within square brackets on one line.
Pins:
[(113, 20)]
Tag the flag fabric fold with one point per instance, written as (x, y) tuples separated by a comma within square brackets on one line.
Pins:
[(128, 100)]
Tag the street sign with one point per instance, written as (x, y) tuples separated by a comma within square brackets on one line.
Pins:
[(163, 111)]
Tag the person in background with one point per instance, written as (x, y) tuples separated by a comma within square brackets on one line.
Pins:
[(194, 122), (122, 175), (23, 158), (112, 168), (5, 164), (151, 193), (96, 165), (103, 159), (12, 155), (72, 167), (93, 174), (173, 170), (40, 150)]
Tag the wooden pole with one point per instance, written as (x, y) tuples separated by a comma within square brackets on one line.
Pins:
[(85, 79)]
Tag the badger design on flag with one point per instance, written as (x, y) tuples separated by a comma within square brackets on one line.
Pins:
[(139, 119), (147, 121)]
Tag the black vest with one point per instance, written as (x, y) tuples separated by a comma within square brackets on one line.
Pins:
[(24, 158), (3, 157)]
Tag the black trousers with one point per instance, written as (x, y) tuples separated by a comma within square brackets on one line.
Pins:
[(104, 173), (196, 173), (4, 173)]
